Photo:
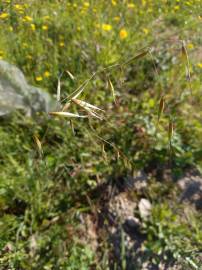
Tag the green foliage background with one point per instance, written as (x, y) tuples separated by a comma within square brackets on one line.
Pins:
[(41, 199)]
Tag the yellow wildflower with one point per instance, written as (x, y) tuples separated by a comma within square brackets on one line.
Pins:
[(62, 44), (131, 5), (176, 8), (33, 27), (45, 27), (144, 3), (190, 46), (114, 3), (4, 15), (116, 18), (18, 7), (199, 65), (188, 3), (28, 18), (106, 27), (123, 34), (86, 4), (24, 45), (39, 78), (46, 17), (145, 30), (46, 74), (1, 54), (29, 57)]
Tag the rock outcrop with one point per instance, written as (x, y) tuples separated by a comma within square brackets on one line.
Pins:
[(16, 93)]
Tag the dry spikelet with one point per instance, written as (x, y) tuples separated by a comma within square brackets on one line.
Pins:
[(72, 127), (127, 163), (117, 154), (86, 104), (113, 91), (90, 111), (161, 107), (104, 152), (38, 144), (70, 75), (184, 52), (68, 114), (68, 103), (185, 58), (66, 106)]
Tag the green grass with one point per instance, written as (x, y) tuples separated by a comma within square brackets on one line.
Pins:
[(40, 198)]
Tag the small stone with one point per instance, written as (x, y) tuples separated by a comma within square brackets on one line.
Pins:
[(144, 208)]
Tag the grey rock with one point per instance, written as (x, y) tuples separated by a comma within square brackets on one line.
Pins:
[(16, 93), (191, 189)]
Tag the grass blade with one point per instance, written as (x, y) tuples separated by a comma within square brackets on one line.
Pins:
[(138, 56)]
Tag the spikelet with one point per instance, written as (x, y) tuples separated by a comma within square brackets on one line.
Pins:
[(39, 145), (185, 59), (67, 114), (70, 74), (113, 91), (161, 107)]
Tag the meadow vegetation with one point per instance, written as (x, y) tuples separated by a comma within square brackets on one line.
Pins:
[(148, 62)]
